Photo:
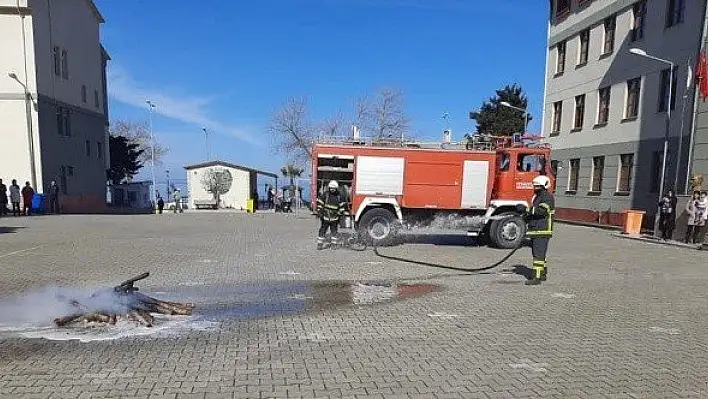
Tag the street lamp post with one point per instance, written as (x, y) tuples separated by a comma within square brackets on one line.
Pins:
[(526, 113), (642, 53), (30, 134), (206, 141), (152, 153)]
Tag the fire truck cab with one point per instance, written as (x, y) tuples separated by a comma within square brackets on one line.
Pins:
[(471, 187)]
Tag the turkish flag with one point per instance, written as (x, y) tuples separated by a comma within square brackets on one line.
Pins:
[(702, 76)]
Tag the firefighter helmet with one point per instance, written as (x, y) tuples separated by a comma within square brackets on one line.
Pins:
[(333, 184), (541, 181)]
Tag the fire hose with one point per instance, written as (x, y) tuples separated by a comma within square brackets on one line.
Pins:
[(463, 269)]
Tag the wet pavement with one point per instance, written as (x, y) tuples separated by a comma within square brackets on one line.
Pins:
[(276, 318)]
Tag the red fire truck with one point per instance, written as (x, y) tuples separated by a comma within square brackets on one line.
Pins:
[(472, 186)]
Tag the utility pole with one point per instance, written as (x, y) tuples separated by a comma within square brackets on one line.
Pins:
[(152, 154), (206, 141)]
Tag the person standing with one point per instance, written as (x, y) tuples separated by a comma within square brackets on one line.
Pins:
[(330, 208), (160, 204), (667, 215), (693, 222), (3, 199), (177, 196), (15, 198), (54, 197), (540, 226), (27, 194)]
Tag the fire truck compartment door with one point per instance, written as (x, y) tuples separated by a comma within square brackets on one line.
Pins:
[(379, 175), (475, 178)]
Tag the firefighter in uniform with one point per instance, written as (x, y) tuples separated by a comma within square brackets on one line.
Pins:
[(331, 206), (540, 226)]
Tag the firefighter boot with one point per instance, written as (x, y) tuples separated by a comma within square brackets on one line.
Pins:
[(320, 243), (538, 267), (544, 273)]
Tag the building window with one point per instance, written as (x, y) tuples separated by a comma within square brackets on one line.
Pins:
[(664, 89), (624, 180), (63, 122), (598, 167), (99, 150), (64, 64), (560, 58), (633, 91), (584, 47), (562, 8), (674, 12), (609, 43), (579, 112), (574, 175), (557, 115), (88, 148), (57, 61), (655, 172), (83, 93), (639, 12), (96, 101), (603, 106)]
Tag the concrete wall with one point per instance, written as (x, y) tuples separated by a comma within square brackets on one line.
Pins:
[(641, 137), (73, 27), (235, 198), (18, 58)]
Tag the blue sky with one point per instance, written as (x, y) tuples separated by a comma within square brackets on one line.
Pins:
[(228, 65)]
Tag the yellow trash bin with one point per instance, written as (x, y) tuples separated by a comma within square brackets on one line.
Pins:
[(249, 206), (633, 222)]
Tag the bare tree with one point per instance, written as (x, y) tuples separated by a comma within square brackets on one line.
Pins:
[(383, 116), (333, 127), (139, 133), (291, 131)]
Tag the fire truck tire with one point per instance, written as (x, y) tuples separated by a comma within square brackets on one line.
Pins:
[(378, 227), (507, 233)]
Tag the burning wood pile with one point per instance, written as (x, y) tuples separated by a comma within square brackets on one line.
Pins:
[(123, 301)]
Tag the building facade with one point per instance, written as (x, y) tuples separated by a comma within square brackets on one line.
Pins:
[(53, 100), (605, 107), (236, 183)]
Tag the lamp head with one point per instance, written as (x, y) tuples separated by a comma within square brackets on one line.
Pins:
[(637, 51), (505, 103), (12, 75)]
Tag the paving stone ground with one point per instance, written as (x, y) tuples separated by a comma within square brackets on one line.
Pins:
[(617, 318)]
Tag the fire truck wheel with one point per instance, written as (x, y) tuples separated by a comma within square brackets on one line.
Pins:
[(508, 232), (378, 226)]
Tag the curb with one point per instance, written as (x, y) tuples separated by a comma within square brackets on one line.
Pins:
[(652, 240), (595, 225)]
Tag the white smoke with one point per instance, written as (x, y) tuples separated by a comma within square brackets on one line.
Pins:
[(41, 306), (452, 221)]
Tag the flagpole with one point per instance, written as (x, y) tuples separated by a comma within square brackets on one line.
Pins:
[(683, 114)]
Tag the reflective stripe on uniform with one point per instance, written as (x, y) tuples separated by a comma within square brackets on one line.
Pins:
[(548, 231)]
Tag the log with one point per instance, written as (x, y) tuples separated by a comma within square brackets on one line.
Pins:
[(139, 309)]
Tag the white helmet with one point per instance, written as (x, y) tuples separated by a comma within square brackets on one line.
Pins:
[(333, 184), (542, 181)]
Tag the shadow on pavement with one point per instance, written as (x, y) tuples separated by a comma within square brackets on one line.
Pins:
[(9, 229)]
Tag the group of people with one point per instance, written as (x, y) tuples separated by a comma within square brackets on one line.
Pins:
[(696, 212), (14, 197)]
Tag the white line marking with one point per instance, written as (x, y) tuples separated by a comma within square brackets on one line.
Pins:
[(670, 331), (19, 251), (443, 315)]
